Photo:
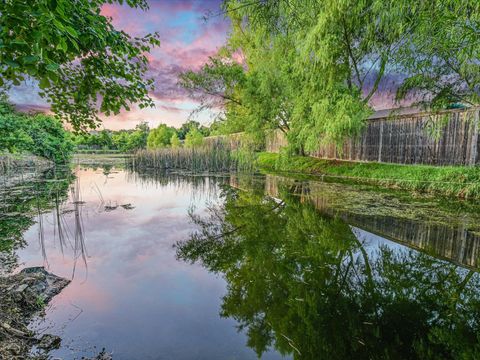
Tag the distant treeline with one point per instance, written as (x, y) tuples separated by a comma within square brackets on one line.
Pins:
[(37, 134), (189, 134)]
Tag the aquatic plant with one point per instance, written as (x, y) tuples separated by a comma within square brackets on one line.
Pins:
[(214, 156)]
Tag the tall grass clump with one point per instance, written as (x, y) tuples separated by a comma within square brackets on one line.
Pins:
[(214, 156)]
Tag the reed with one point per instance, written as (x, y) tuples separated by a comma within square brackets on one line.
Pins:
[(217, 156)]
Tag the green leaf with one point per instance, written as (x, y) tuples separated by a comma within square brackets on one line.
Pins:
[(62, 45), (12, 64), (44, 83), (59, 25), (72, 31), (52, 67), (30, 59)]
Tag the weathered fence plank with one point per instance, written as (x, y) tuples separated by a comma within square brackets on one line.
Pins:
[(445, 138)]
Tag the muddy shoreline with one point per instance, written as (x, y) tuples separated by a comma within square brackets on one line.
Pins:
[(22, 297)]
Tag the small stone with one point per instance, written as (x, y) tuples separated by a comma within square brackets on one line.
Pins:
[(102, 356), (49, 342)]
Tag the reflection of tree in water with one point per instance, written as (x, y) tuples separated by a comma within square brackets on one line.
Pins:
[(303, 283), (20, 205), (26, 204)]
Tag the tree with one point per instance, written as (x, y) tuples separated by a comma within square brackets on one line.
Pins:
[(441, 61), (189, 125), (39, 134), (105, 139), (120, 140), (82, 63), (50, 139), (175, 141), (213, 86), (311, 68), (160, 137), (143, 131), (193, 139)]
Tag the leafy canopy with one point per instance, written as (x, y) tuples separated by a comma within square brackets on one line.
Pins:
[(160, 136), (82, 63), (193, 139), (311, 68), (39, 134)]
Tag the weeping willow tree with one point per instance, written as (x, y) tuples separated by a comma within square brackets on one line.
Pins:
[(311, 68)]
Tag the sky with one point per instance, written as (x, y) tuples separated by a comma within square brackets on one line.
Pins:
[(187, 40)]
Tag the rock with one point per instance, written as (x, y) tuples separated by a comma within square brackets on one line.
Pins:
[(49, 342), (21, 288), (22, 296), (102, 356), (42, 283)]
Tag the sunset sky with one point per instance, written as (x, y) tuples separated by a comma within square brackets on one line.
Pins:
[(186, 42)]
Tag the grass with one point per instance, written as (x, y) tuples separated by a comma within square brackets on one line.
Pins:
[(96, 160), (214, 157), (458, 181)]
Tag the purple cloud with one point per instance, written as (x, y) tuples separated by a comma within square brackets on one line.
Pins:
[(187, 40)]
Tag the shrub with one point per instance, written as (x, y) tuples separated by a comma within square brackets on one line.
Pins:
[(39, 134)]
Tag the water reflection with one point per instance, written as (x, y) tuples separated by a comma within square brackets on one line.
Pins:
[(138, 301), (305, 282), (301, 267), (24, 203), (444, 229)]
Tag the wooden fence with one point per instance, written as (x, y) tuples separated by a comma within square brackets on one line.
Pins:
[(446, 138), (234, 141)]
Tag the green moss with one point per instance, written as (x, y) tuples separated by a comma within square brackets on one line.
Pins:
[(459, 181)]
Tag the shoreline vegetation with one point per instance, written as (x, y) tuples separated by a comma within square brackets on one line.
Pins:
[(10, 162), (215, 157), (457, 181), (451, 181)]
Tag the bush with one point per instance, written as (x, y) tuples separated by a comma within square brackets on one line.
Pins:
[(160, 137), (194, 139), (175, 141), (39, 134)]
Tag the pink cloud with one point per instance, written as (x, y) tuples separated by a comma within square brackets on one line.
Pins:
[(186, 43)]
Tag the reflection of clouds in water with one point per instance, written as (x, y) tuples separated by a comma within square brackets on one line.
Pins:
[(138, 300)]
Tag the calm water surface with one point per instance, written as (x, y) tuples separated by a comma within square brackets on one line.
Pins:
[(129, 294), (240, 267)]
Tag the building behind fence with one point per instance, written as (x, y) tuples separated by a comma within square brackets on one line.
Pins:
[(445, 138)]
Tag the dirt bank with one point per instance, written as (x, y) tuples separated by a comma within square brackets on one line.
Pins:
[(22, 297)]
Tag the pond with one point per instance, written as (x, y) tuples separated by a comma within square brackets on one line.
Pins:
[(172, 266)]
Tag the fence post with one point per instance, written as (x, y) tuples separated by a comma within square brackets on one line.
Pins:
[(474, 149), (380, 142)]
